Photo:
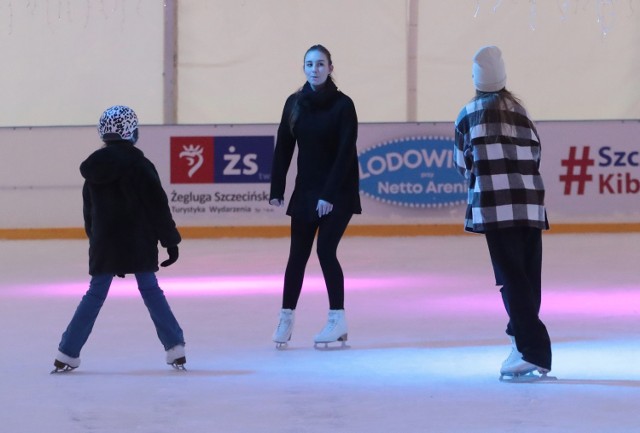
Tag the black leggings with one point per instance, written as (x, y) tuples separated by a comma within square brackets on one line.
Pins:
[(330, 229)]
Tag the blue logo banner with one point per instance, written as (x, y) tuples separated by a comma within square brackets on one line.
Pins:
[(243, 159), (414, 172)]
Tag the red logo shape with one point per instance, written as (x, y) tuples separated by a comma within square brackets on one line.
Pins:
[(582, 164), (191, 159)]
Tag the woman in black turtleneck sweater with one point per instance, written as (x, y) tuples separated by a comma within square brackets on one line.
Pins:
[(323, 122)]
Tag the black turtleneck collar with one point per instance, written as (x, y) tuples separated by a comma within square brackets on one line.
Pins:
[(318, 98)]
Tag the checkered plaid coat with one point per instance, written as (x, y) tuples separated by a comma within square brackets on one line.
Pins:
[(501, 163)]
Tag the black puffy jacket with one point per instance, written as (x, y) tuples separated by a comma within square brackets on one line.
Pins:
[(126, 211)]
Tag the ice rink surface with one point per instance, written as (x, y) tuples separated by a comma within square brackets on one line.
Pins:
[(426, 330)]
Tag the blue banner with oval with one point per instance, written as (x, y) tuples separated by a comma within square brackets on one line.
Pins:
[(413, 172)]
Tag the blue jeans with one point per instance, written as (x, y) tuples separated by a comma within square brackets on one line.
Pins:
[(77, 333)]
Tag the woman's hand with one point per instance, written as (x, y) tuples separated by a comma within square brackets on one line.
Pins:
[(323, 208), (276, 202)]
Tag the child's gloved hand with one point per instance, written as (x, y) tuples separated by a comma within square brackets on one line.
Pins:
[(173, 256)]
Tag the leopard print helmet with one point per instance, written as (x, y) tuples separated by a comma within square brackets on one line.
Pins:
[(118, 122)]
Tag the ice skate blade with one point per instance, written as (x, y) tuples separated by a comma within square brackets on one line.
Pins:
[(178, 364), (326, 346), (281, 345), (65, 369), (528, 377), (61, 367)]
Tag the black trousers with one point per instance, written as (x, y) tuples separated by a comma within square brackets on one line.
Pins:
[(330, 229), (516, 255)]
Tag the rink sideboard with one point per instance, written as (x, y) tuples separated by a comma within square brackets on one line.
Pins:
[(217, 178)]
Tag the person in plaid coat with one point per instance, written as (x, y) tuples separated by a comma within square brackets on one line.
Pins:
[(497, 149)]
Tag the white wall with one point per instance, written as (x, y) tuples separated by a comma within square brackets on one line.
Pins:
[(239, 60), (65, 61), (561, 64)]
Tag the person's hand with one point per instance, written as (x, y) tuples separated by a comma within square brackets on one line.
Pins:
[(323, 208), (173, 256), (276, 202)]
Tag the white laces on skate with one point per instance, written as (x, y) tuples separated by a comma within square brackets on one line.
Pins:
[(513, 357), (331, 325), (283, 325)]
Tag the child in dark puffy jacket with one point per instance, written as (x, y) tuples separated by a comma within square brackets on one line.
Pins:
[(126, 213)]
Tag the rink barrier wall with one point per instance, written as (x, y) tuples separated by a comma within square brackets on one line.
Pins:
[(283, 231), (217, 178)]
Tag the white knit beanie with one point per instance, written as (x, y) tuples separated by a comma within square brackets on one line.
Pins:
[(489, 74)]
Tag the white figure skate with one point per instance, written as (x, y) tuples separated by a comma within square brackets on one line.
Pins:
[(284, 330), (334, 330), (176, 357), (64, 363), (516, 369), (514, 356)]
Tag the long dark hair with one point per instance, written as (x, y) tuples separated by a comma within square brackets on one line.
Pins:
[(501, 103), (295, 111)]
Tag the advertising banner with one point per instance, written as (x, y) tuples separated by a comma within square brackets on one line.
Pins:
[(592, 170), (219, 175), (216, 175)]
